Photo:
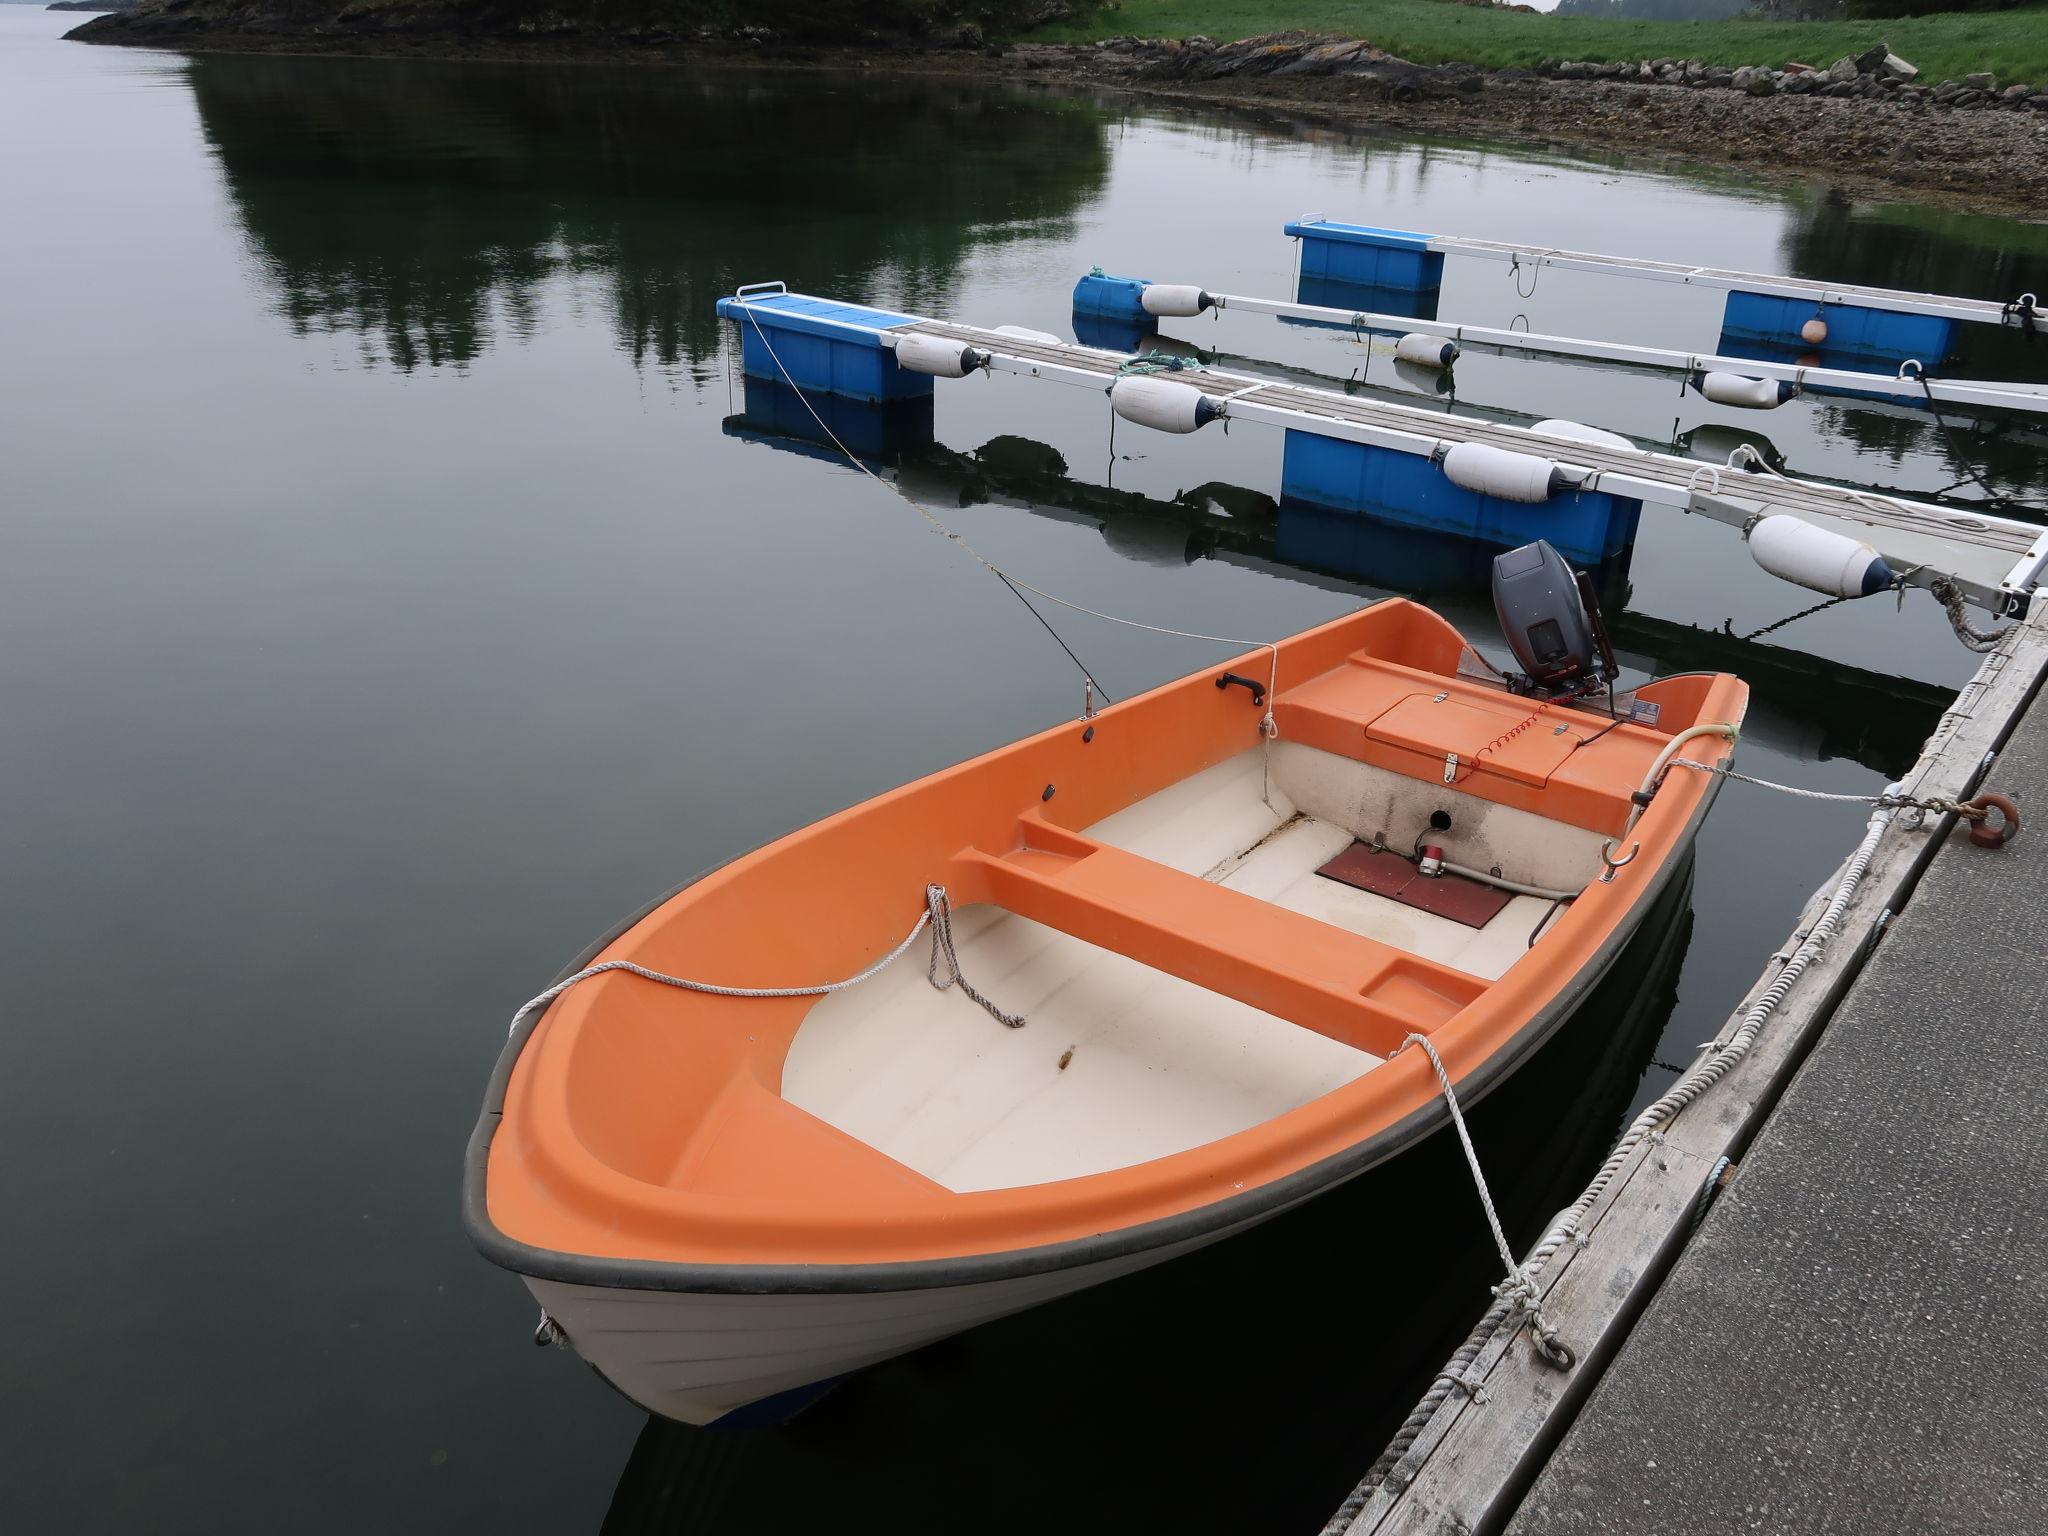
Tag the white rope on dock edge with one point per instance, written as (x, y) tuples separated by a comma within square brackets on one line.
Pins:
[(1720, 1059), (937, 915)]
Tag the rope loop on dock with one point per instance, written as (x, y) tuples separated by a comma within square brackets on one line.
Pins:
[(937, 915)]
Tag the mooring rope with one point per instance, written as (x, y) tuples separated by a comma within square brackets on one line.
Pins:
[(1939, 805), (1519, 1290), (1267, 726), (1720, 1059), (937, 915)]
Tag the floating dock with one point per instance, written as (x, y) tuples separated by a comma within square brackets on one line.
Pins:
[(1855, 319), (1352, 454), (1104, 297), (1855, 1337)]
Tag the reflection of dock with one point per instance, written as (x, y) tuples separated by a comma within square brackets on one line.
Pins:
[(1800, 704)]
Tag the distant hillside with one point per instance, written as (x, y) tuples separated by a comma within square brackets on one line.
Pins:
[(568, 21), (1654, 10)]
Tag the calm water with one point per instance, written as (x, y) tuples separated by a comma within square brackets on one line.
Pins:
[(394, 588)]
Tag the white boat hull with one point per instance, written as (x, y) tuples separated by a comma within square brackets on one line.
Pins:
[(698, 1357)]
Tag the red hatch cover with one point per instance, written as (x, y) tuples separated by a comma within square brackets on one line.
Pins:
[(1385, 873)]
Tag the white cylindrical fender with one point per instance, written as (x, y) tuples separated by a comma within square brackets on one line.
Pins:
[(1174, 299), (1161, 403), (937, 356), (1025, 333), (1811, 557), (1740, 389), (1426, 351), (1495, 471), (1579, 432)]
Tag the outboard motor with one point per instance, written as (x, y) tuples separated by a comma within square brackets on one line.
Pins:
[(1552, 623)]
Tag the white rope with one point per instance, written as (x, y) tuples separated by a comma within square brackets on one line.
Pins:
[(1519, 1290), (1891, 799), (938, 915), (1267, 726), (1721, 1058)]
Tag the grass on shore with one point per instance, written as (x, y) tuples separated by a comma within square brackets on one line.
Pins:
[(2013, 44)]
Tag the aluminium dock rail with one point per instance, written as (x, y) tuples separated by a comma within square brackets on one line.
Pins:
[(1981, 394), (1720, 279)]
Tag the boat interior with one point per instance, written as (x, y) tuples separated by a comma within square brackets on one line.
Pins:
[(1207, 929)]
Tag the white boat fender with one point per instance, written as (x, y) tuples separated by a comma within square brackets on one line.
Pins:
[(1579, 432), (1815, 558), (1751, 394), (1175, 299), (1499, 472), (1025, 333), (1426, 351), (1162, 403), (937, 356)]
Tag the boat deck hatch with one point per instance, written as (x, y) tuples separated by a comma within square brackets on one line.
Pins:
[(1385, 873)]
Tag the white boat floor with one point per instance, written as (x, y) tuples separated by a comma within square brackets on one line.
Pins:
[(1118, 1063)]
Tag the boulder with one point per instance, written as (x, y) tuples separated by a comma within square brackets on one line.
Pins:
[(1841, 88), (1896, 68), (1741, 78), (1968, 99), (1798, 85), (1761, 83), (1843, 68), (1983, 81), (1870, 60), (2016, 93)]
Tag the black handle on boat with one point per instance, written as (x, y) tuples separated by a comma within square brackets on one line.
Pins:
[(1258, 688)]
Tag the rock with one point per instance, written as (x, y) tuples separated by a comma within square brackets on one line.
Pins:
[(1841, 88), (1792, 68), (1799, 85), (1896, 68), (1869, 60), (1843, 68), (1968, 99), (1984, 81), (1761, 83), (2016, 93), (1574, 70), (1743, 76), (1720, 77)]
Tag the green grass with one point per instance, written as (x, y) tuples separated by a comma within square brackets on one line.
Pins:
[(2013, 44)]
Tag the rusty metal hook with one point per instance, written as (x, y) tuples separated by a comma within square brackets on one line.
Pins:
[(1982, 832)]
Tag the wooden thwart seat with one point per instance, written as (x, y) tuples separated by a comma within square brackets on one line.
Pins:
[(1351, 988)]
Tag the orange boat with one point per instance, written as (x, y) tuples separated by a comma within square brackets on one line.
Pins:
[(1220, 909)]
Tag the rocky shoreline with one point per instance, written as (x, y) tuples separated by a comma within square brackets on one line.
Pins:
[(1866, 122)]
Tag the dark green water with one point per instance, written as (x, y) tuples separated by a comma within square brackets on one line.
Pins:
[(389, 598)]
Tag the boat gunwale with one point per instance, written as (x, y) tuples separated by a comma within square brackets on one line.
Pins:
[(944, 1270)]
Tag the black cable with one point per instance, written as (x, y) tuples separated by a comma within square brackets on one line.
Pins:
[(1056, 635), (1970, 471)]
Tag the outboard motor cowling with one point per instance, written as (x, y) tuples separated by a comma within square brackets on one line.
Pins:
[(1551, 622)]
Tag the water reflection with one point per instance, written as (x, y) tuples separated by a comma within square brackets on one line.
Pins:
[(1277, 1364), (1806, 706), (420, 206)]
